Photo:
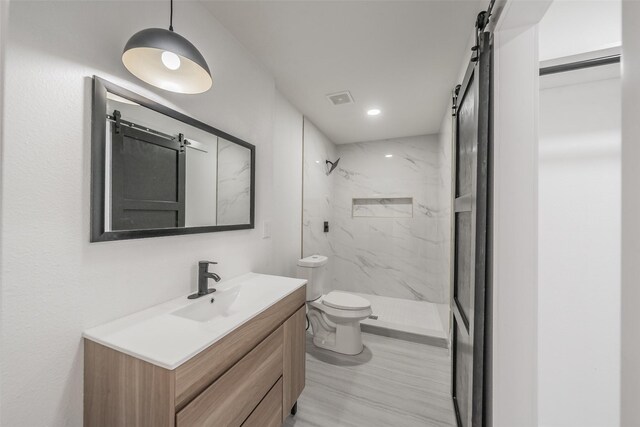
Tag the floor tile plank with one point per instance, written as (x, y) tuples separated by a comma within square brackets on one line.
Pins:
[(391, 383)]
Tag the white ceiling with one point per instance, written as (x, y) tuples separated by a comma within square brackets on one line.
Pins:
[(575, 27), (401, 57)]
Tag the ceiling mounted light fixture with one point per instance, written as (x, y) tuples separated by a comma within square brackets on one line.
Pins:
[(167, 60), (374, 112)]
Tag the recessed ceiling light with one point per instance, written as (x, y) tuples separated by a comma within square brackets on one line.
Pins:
[(374, 112), (388, 155)]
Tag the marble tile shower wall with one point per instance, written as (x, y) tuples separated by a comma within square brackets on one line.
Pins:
[(389, 252), (389, 216)]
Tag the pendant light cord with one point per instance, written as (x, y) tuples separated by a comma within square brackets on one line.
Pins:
[(171, 17)]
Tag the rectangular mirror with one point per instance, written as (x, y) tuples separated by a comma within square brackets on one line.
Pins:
[(158, 172)]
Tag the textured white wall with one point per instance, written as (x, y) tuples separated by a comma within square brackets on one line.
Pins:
[(579, 254), (55, 283), (630, 415)]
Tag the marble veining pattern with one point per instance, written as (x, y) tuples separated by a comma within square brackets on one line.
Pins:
[(391, 383), (377, 207), (234, 183), (394, 255), (378, 243)]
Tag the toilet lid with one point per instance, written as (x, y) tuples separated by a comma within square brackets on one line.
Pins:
[(345, 301), (313, 261)]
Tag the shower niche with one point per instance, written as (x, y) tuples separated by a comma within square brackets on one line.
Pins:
[(382, 207)]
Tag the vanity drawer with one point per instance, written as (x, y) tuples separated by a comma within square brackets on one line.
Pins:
[(269, 412), (194, 376), (229, 401)]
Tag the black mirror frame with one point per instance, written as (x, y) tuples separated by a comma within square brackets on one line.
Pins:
[(98, 147)]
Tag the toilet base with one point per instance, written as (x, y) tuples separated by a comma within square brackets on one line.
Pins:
[(337, 349), (337, 334)]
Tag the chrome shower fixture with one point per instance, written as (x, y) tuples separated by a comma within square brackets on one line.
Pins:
[(333, 165)]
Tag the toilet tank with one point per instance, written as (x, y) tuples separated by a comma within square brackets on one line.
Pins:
[(313, 269)]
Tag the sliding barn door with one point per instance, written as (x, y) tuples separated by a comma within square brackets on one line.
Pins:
[(148, 180), (471, 142)]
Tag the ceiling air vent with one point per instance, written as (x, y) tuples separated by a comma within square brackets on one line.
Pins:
[(340, 98)]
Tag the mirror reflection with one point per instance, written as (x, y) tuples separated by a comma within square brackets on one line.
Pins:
[(161, 172), (234, 183)]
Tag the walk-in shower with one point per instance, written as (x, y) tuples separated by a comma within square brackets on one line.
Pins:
[(387, 204)]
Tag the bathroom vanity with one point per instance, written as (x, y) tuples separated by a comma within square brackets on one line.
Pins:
[(233, 358)]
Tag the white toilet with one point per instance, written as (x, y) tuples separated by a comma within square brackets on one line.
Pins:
[(334, 317)]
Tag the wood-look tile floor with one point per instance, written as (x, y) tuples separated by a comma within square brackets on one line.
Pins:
[(391, 383)]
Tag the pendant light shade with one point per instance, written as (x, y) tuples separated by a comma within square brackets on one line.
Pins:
[(167, 60)]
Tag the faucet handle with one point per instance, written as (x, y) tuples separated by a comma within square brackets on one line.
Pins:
[(205, 264)]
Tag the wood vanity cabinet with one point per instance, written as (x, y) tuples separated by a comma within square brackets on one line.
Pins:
[(251, 377)]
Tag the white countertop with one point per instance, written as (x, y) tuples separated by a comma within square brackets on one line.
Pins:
[(165, 339)]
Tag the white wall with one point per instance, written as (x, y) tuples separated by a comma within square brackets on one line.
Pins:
[(318, 194), (579, 220), (630, 415), (55, 283), (3, 30), (446, 196), (573, 27), (513, 350), (287, 183), (200, 184), (579, 253)]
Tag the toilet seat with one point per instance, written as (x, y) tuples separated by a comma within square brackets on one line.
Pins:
[(345, 301), (339, 312)]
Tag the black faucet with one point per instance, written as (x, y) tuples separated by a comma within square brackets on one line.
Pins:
[(203, 279)]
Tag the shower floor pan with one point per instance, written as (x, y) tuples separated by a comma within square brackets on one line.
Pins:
[(418, 321)]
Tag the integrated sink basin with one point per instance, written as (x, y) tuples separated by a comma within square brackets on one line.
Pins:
[(208, 308), (171, 333)]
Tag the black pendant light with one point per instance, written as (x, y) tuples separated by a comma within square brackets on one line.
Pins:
[(167, 60)]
